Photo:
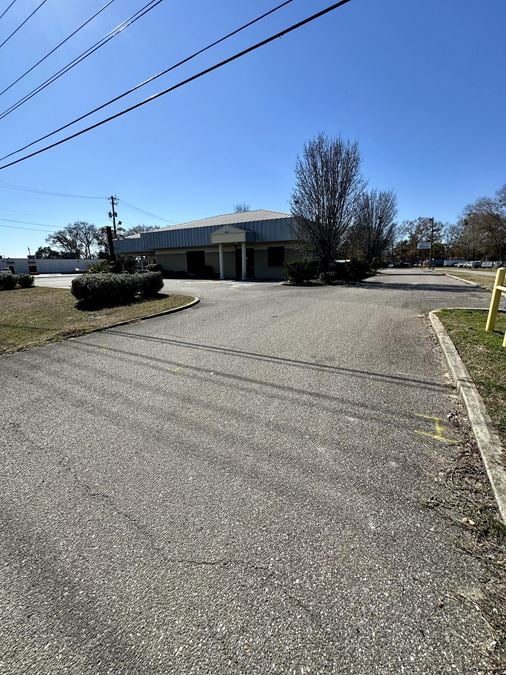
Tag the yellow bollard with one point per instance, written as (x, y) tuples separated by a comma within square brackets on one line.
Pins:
[(496, 300)]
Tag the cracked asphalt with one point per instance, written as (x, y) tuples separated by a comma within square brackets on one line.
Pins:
[(237, 488)]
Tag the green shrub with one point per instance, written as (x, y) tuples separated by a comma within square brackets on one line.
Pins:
[(105, 288), (99, 267), (154, 267), (25, 280), (150, 283), (128, 264), (8, 281), (98, 290), (300, 271), (347, 270), (208, 272)]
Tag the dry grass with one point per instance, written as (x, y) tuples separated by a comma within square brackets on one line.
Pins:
[(479, 277), (33, 316), (484, 356)]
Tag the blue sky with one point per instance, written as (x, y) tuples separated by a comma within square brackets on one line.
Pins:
[(420, 86)]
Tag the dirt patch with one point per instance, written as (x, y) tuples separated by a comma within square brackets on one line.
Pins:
[(462, 493)]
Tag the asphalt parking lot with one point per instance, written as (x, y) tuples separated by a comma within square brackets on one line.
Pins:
[(237, 488)]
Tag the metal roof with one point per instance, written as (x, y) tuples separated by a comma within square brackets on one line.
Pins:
[(266, 226)]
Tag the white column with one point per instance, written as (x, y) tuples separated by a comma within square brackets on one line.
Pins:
[(243, 258), (222, 269)]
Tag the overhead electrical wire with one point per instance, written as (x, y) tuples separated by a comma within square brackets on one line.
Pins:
[(22, 23), (147, 213), (150, 79), (84, 55), (184, 82), (23, 222), (22, 188), (32, 229), (60, 44), (7, 9)]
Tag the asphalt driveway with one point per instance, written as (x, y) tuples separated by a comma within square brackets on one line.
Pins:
[(237, 488)]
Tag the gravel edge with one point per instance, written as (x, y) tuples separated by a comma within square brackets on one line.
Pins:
[(488, 441)]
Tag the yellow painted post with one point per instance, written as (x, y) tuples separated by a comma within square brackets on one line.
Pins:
[(496, 299)]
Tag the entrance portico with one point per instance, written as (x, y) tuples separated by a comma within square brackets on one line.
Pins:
[(232, 235)]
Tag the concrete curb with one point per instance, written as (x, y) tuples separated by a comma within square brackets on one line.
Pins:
[(466, 281), (32, 345), (486, 437), (195, 301)]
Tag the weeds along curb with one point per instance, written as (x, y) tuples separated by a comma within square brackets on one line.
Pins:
[(488, 441)]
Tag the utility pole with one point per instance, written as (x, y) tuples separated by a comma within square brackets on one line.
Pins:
[(431, 241), (110, 243), (113, 214)]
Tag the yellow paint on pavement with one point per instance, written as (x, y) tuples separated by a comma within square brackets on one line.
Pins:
[(438, 425)]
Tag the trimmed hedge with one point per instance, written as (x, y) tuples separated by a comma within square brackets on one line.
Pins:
[(115, 289), (150, 283), (25, 280), (9, 281)]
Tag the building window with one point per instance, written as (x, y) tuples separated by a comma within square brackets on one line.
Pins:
[(195, 261), (276, 256)]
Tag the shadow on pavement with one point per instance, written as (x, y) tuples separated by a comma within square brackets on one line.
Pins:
[(282, 360)]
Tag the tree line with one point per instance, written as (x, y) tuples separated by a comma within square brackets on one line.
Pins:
[(479, 234), (337, 215), (82, 240)]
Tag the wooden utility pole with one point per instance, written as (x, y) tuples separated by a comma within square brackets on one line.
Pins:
[(113, 214), (431, 240), (110, 243)]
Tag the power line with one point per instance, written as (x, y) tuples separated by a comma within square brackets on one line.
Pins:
[(7, 9), (60, 44), (147, 213), (22, 188), (182, 83), (84, 55), (31, 229), (22, 23), (24, 222), (149, 80)]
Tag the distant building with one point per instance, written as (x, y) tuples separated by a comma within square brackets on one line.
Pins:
[(247, 245), (33, 265)]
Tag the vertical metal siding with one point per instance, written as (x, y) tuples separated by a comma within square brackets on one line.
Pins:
[(265, 230)]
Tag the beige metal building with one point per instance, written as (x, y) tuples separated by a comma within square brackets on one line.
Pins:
[(249, 245)]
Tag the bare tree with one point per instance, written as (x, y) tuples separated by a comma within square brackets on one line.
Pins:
[(415, 231), (328, 185), (486, 219), (78, 239), (374, 227), (242, 207)]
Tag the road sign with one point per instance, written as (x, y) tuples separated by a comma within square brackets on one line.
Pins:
[(423, 245)]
